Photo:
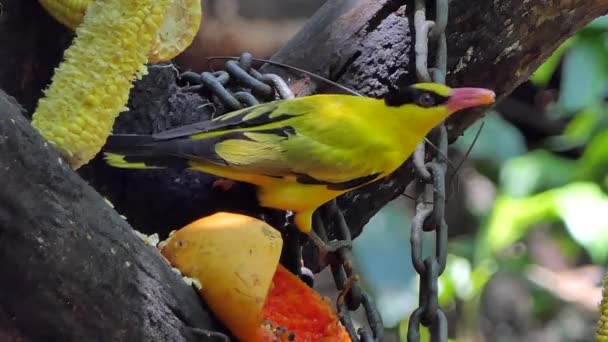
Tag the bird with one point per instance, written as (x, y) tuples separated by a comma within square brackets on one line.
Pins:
[(301, 153)]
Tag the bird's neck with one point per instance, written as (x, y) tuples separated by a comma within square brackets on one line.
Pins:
[(404, 127)]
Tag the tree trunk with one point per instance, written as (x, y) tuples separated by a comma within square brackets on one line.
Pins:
[(73, 269)]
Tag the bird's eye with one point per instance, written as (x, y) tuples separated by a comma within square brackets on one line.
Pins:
[(426, 100)]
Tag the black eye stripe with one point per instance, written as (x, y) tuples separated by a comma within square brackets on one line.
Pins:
[(411, 95)]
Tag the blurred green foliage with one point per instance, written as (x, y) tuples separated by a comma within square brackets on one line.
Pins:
[(560, 183)]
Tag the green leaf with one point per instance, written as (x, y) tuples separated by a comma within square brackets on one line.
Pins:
[(593, 165), (583, 208), (584, 73), (580, 206), (511, 219), (498, 141), (580, 129), (535, 171), (600, 23), (543, 74), (461, 280)]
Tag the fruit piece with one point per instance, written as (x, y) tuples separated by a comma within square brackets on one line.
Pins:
[(234, 257), (295, 312)]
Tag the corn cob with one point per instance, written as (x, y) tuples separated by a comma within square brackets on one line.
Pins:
[(177, 32), (68, 12), (91, 86), (601, 333), (179, 28)]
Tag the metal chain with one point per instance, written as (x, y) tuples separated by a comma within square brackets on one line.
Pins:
[(352, 296), (238, 73), (430, 205)]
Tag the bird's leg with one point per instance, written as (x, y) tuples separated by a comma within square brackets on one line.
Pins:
[(291, 256), (317, 235)]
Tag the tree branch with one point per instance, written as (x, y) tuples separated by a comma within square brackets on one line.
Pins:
[(73, 270)]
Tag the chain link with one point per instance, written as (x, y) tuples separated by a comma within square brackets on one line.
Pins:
[(430, 205), (352, 296), (240, 74)]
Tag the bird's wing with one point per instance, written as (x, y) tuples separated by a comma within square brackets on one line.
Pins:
[(285, 153), (263, 114)]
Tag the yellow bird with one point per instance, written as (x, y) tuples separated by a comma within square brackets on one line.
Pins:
[(303, 152)]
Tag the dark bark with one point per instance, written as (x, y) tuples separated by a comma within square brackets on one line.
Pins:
[(57, 234), (72, 268), (32, 44)]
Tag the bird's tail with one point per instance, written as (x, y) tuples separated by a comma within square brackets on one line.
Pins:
[(133, 151), (130, 143)]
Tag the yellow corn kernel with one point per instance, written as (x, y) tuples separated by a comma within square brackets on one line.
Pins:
[(180, 23), (92, 84)]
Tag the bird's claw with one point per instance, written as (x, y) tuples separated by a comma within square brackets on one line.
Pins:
[(328, 248), (335, 245)]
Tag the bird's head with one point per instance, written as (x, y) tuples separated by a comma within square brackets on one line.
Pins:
[(435, 102)]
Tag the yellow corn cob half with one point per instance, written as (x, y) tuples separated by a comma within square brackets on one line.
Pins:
[(91, 86), (180, 24), (601, 333), (179, 28), (68, 12)]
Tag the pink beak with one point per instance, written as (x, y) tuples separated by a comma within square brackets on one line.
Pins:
[(461, 98)]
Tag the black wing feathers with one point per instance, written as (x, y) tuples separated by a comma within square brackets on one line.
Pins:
[(173, 148), (227, 122)]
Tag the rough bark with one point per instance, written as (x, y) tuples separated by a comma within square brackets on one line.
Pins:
[(32, 44), (72, 268), (57, 236)]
